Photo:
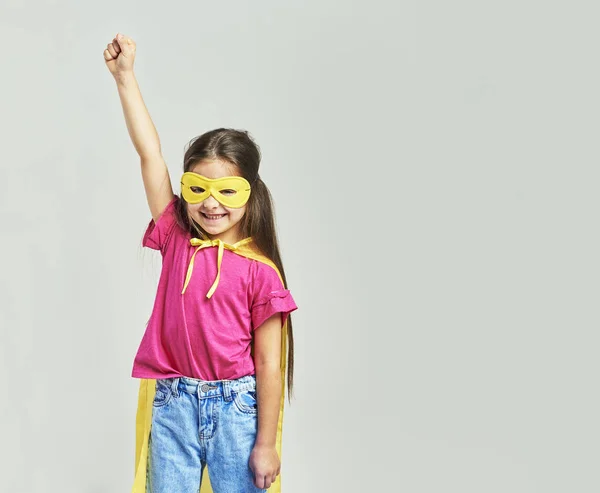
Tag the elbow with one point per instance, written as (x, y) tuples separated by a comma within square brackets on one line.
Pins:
[(268, 368)]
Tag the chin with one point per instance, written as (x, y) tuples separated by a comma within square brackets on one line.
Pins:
[(214, 229), (220, 227)]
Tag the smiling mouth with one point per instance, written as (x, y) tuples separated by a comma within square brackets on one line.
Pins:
[(212, 217)]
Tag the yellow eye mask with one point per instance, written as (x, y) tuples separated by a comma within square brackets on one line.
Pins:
[(230, 191)]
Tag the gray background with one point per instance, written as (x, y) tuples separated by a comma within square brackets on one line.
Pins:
[(434, 167)]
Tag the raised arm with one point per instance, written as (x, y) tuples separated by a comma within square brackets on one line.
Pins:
[(119, 57)]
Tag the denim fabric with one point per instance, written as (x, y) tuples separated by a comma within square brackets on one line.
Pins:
[(198, 424)]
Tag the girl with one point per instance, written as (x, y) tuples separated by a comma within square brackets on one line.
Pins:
[(212, 359)]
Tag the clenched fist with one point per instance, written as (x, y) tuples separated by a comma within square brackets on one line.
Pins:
[(119, 55)]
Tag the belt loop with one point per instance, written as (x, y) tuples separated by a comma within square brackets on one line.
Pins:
[(174, 387), (227, 390)]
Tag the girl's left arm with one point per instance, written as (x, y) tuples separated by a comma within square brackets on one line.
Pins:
[(264, 460)]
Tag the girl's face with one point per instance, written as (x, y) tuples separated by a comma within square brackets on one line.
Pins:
[(218, 221)]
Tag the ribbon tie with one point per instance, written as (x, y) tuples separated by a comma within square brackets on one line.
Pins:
[(210, 243)]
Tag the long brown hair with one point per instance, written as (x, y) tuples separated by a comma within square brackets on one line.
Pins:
[(238, 148)]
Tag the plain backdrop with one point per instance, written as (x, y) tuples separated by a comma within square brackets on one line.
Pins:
[(434, 167)]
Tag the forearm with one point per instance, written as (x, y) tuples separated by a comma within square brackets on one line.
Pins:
[(141, 130), (268, 386)]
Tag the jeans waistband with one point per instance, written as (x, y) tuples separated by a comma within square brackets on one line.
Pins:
[(206, 389)]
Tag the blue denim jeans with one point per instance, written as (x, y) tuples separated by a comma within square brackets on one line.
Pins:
[(198, 424)]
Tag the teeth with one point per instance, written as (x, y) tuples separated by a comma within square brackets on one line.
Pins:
[(214, 216)]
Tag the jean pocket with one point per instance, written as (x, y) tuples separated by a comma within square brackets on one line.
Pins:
[(163, 392), (245, 401)]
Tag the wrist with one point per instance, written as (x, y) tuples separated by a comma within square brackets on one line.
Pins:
[(125, 78), (264, 443)]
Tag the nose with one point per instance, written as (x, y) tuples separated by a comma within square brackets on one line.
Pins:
[(210, 202)]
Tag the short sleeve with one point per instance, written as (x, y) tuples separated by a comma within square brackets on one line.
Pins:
[(269, 296), (158, 233)]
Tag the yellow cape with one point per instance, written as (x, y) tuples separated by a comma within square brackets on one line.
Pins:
[(146, 397)]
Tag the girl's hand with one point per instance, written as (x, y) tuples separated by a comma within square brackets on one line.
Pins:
[(119, 55), (264, 463)]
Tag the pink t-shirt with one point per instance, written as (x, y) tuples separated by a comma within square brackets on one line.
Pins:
[(191, 335)]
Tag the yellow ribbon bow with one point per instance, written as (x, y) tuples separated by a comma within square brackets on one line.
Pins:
[(210, 243)]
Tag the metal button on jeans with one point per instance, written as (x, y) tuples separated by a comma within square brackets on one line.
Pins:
[(205, 387)]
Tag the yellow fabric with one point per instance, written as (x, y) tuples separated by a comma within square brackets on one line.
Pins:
[(209, 243), (147, 389), (231, 191)]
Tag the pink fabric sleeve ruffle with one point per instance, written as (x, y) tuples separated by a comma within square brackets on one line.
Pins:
[(277, 301), (157, 234)]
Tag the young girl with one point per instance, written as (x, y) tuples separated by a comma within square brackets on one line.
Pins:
[(212, 361)]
